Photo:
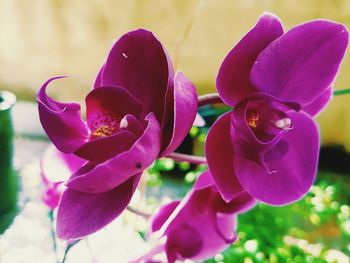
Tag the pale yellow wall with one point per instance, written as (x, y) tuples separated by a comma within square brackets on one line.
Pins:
[(43, 38)]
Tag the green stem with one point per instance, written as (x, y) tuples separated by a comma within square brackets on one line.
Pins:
[(68, 247), (341, 92), (53, 234)]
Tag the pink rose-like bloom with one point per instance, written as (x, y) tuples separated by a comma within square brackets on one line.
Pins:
[(201, 225), (56, 167), (137, 111), (276, 81)]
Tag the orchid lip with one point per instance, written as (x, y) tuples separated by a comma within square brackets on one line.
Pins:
[(227, 240), (267, 118)]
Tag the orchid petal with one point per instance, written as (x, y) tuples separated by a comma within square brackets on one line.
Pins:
[(81, 214), (185, 110), (196, 214), (219, 154), (245, 142), (302, 63), (240, 204), (184, 240), (113, 172), (203, 181), (61, 121), (114, 101), (104, 148), (139, 63), (233, 82), (314, 107), (197, 228), (292, 174), (162, 215), (132, 124)]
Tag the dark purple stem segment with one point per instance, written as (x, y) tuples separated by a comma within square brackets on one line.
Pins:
[(180, 157), (207, 99)]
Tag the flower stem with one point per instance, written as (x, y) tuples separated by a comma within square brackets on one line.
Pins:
[(53, 234), (68, 247), (138, 212), (211, 98), (341, 92), (180, 157)]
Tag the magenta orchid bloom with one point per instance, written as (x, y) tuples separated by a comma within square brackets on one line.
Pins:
[(276, 82), (137, 111), (201, 225), (56, 168)]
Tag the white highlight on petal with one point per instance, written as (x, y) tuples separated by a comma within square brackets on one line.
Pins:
[(284, 123), (124, 123)]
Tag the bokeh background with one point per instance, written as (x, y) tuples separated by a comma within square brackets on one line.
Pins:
[(44, 38)]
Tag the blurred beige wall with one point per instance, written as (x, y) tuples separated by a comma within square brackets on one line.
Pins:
[(44, 38)]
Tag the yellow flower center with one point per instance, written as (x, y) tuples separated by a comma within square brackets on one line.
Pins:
[(253, 120), (103, 131)]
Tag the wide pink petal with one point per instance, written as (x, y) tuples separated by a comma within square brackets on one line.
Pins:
[(105, 148), (81, 214), (139, 63), (219, 154), (232, 81), (185, 110), (162, 215), (301, 64)]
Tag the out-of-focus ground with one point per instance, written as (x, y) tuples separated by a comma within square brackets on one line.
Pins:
[(44, 38)]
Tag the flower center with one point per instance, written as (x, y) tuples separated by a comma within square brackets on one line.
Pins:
[(266, 119), (103, 131), (104, 124), (253, 119)]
